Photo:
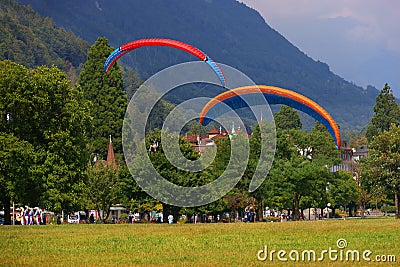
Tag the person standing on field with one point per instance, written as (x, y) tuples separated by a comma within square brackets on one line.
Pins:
[(170, 219)]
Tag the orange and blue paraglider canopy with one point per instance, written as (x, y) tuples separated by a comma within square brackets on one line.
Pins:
[(274, 95)]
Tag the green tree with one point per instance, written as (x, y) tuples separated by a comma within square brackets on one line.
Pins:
[(42, 108), (16, 160), (132, 194), (321, 146), (383, 163), (285, 186), (236, 200), (165, 168), (387, 111), (132, 81), (287, 118), (103, 188), (105, 90), (295, 178), (343, 190), (370, 191), (300, 168), (264, 134), (358, 141)]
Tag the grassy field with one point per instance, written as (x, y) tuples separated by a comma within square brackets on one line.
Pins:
[(235, 244)]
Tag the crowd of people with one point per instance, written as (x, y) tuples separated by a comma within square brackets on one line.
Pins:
[(36, 216), (282, 216), (30, 216)]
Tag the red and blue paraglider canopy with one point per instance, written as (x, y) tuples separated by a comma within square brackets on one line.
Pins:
[(126, 48)]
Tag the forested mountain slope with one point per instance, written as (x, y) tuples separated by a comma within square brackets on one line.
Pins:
[(229, 31), (31, 40)]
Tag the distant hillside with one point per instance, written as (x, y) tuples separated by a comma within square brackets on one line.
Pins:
[(29, 39), (228, 31)]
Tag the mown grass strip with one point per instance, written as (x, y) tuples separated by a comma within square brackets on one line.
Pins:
[(234, 244)]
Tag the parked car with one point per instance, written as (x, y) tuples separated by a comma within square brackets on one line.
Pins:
[(73, 218), (77, 217)]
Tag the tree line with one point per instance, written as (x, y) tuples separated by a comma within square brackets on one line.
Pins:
[(52, 130)]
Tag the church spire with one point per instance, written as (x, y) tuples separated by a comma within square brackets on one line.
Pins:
[(110, 155)]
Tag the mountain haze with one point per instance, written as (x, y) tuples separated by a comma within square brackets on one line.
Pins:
[(229, 31)]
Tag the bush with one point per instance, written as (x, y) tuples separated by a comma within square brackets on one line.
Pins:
[(388, 209)]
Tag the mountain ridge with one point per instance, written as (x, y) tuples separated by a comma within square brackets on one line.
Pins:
[(229, 31)]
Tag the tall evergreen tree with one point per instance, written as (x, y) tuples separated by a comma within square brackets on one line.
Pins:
[(105, 90), (287, 118), (387, 111)]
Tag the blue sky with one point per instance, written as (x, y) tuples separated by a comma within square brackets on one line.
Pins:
[(358, 39)]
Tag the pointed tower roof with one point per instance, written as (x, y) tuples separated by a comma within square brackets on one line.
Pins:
[(110, 155)]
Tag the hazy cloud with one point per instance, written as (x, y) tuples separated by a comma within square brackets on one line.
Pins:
[(359, 39), (378, 20)]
